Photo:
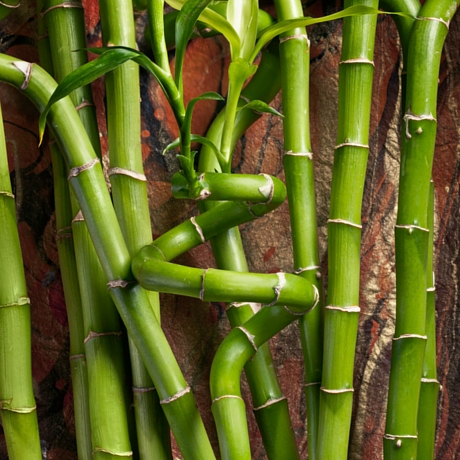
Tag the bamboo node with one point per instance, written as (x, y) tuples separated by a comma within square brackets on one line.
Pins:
[(63, 5), (311, 384), (255, 216), (110, 452), (141, 390), (84, 103), (411, 228), (6, 193), (337, 391), (5, 405), (176, 396), (411, 116), (425, 380), (269, 402), (26, 69), (95, 335), (294, 37), (410, 336), (345, 222), (358, 61), (316, 297), (255, 307), (203, 278), (267, 190), (431, 289), (245, 99), (351, 144), (64, 233), (394, 437), (441, 20), (127, 172), (227, 397), (204, 193), (75, 357), (74, 172), (198, 229), (160, 251), (346, 309), (79, 217), (295, 313), (7, 5), (118, 284), (249, 336), (17, 303), (278, 288), (309, 155), (300, 270)]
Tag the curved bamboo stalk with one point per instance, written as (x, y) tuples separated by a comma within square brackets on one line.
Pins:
[(344, 233), (17, 403), (411, 232), (88, 183), (298, 166), (129, 193)]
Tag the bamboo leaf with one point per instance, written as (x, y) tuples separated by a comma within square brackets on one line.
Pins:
[(242, 15), (185, 26), (217, 22), (260, 106), (283, 26)]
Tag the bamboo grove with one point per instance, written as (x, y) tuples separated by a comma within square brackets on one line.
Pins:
[(129, 404)]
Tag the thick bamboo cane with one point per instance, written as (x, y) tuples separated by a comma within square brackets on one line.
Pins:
[(17, 403), (344, 233), (132, 303), (411, 232)]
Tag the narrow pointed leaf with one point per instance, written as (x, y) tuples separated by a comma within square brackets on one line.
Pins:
[(173, 145), (283, 26), (242, 15)]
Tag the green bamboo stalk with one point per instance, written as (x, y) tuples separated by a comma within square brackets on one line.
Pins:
[(430, 386), (129, 192), (17, 403), (88, 183), (273, 419), (411, 232), (298, 166), (66, 251), (7, 7), (344, 229), (237, 348), (102, 328)]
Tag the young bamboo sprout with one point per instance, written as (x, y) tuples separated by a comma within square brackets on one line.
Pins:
[(344, 233), (298, 166), (411, 232)]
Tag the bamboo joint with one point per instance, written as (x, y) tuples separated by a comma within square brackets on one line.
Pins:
[(26, 69)]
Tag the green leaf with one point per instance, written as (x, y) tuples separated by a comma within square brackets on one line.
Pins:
[(185, 25), (173, 145), (205, 141), (283, 26), (260, 106), (217, 22), (240, 70)]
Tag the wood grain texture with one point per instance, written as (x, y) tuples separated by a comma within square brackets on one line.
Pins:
[(195, 329)]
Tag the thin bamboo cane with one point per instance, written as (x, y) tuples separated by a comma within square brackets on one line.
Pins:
[(298, 166), (411, 232), (430, 386), (67, 262), (129, 193), (132, 303), (102, 328), (17, 403), (344, 233)]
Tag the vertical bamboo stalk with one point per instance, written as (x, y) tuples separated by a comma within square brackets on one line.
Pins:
[(17, 403), (129, 192), (411, 232), (344, 233), (298, 166)]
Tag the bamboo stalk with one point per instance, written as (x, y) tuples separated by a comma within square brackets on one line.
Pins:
[(69, 275), (411, 232), (129, 192), (132, 303), (17, 403), (344, 233), (298, 166), (430, 386)]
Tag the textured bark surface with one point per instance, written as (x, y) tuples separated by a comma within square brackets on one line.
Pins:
[(195, 329)]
